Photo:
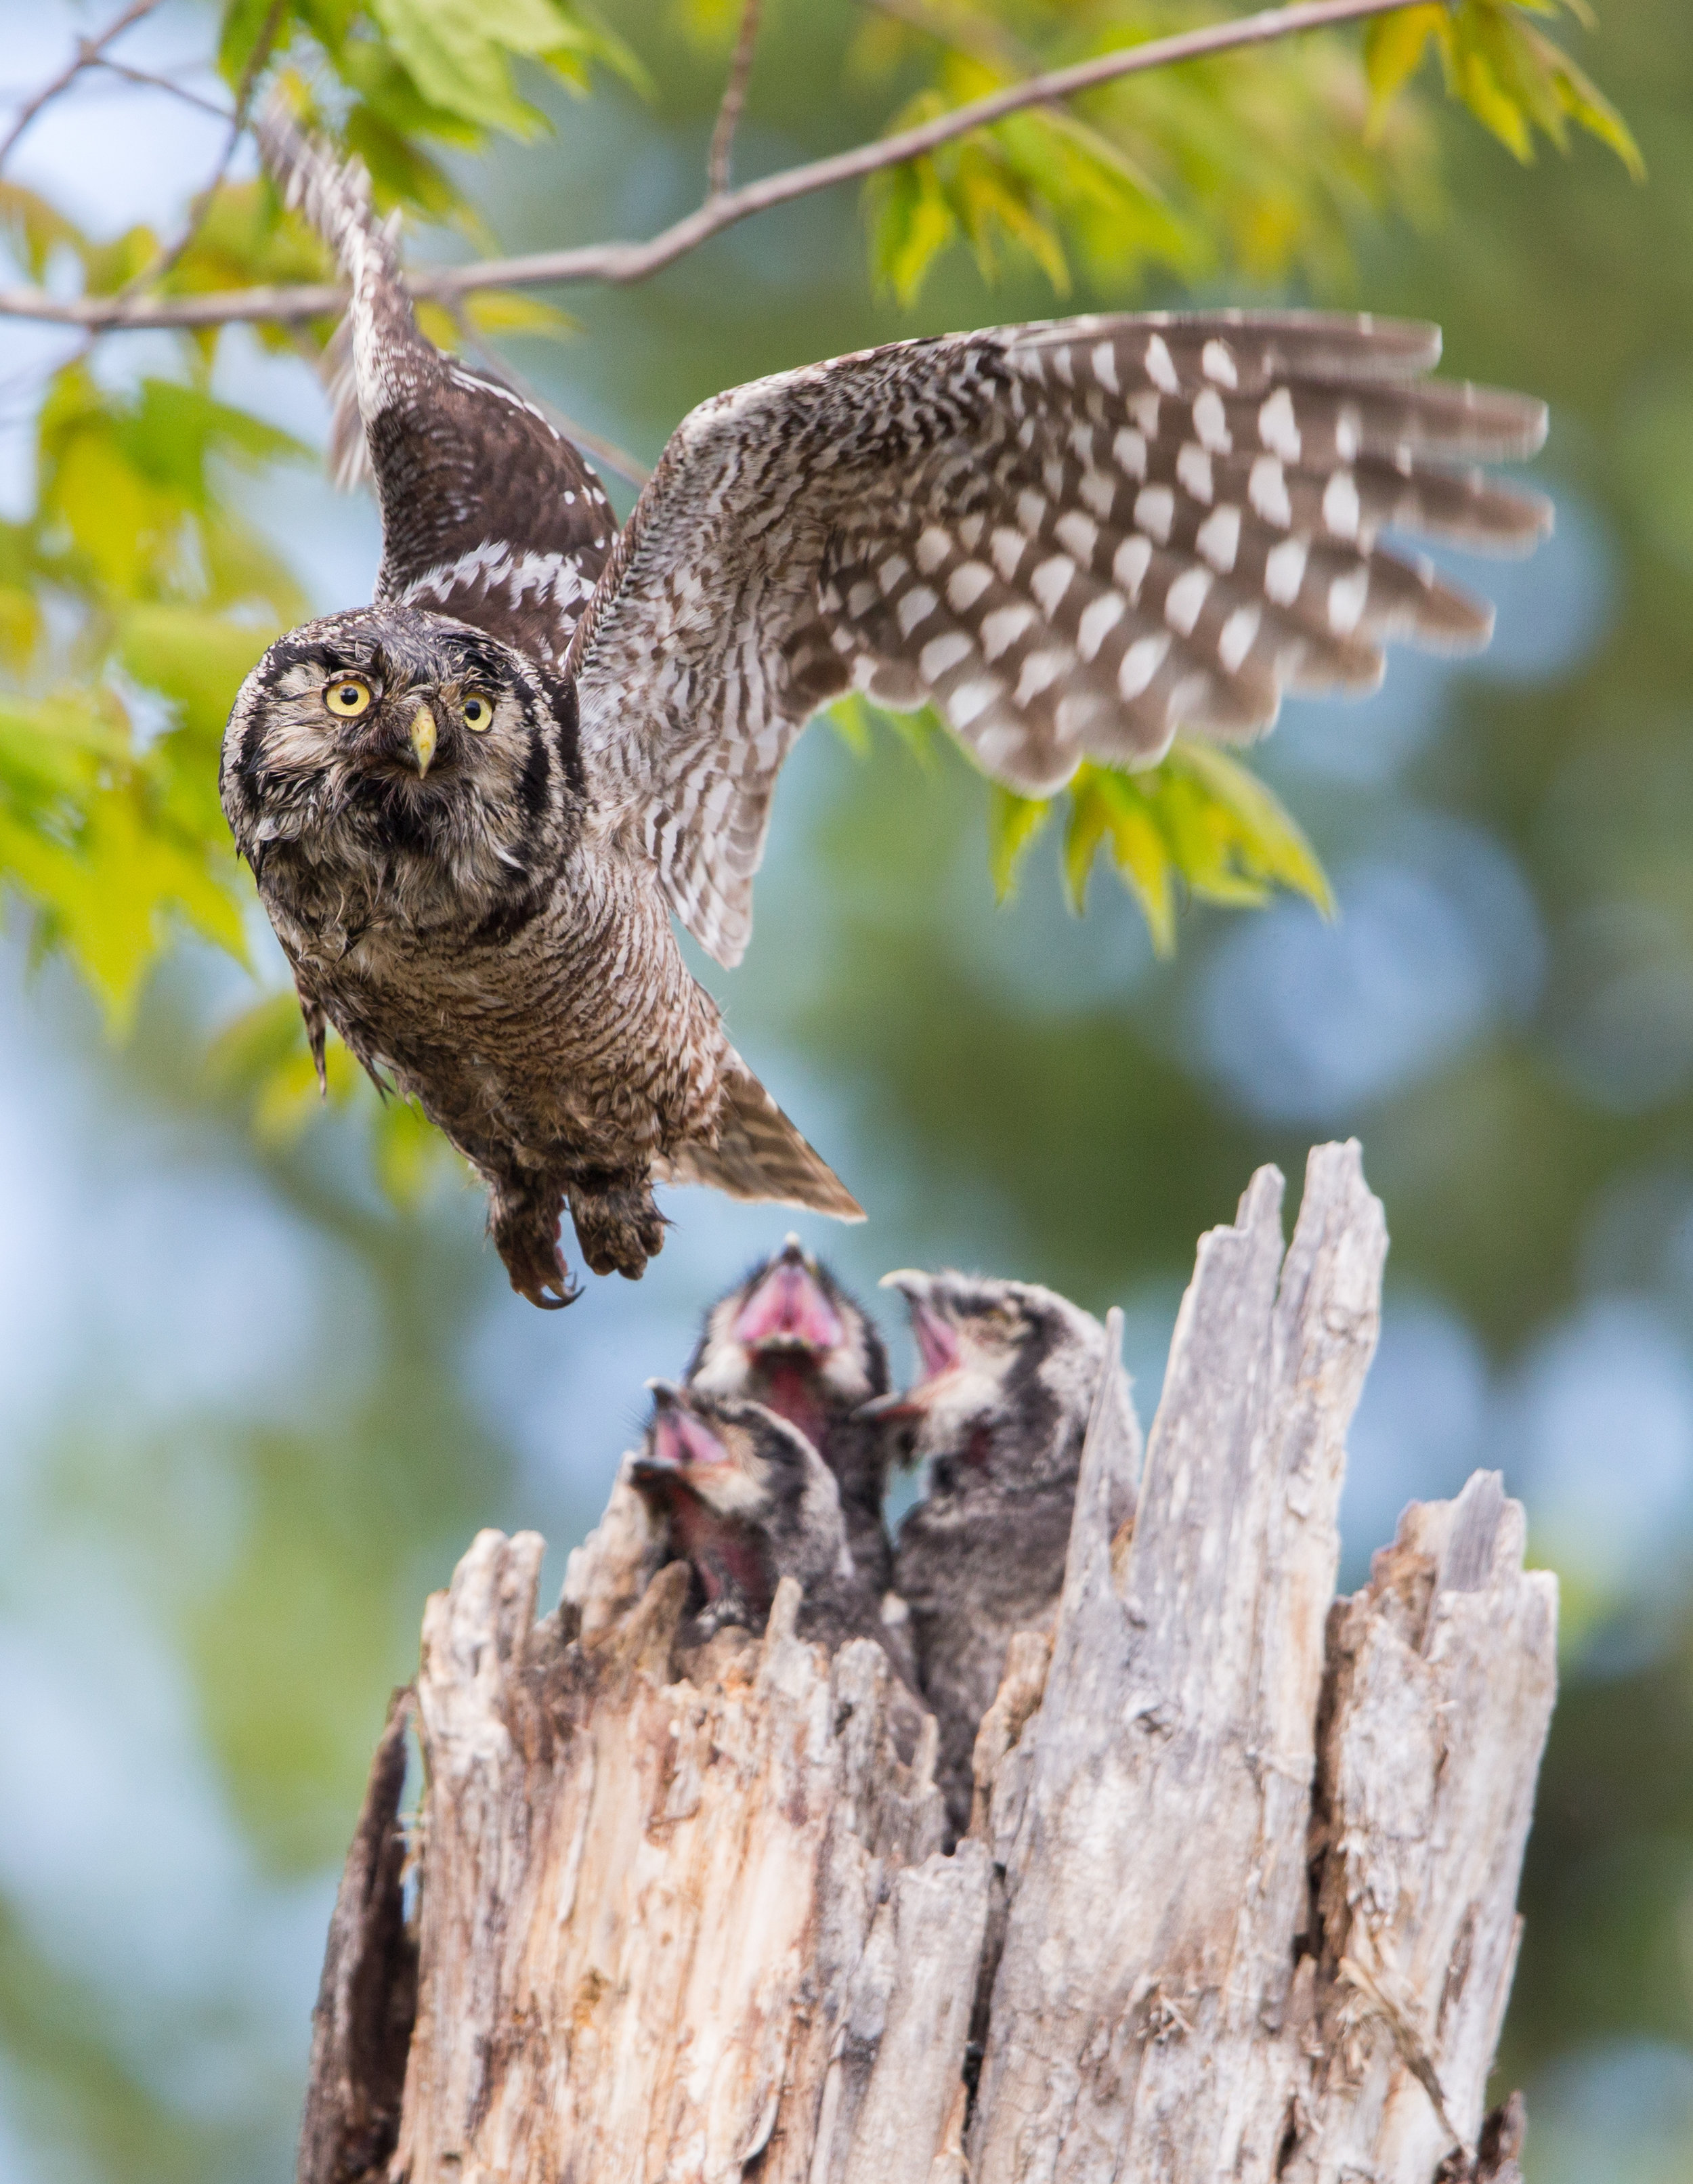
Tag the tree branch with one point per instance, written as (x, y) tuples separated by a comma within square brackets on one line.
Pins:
[(619, 264), (88, 51), (718, 158)]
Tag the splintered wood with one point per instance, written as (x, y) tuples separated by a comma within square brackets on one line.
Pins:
[(1238, 1897)]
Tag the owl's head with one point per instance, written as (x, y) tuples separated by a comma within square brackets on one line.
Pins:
[(398, 747)]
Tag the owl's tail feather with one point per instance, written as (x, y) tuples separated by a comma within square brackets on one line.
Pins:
[(759, 1155), (334, 196)]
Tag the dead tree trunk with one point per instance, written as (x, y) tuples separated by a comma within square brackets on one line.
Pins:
[(1238, 1899)]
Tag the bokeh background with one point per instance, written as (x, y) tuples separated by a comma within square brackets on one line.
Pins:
[(250, 1412)]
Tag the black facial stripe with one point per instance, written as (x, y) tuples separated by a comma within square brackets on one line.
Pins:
[(561, 697), (249, 768), (532, 785)]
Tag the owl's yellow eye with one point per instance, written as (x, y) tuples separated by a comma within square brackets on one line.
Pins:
[(478, 713), (346, 696)]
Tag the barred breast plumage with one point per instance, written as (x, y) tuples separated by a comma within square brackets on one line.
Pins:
[(1072, 539)]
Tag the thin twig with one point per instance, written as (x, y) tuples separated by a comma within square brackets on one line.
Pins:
[(622, 263), (88, 51), (605, 452), (151, 275), (718, 159), (149, 80)]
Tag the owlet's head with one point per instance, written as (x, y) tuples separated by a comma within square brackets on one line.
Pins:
[(400, 735), (1009, 1373), (747, 1498)]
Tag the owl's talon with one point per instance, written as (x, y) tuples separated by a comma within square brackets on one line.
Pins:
[(617, 1225), (550, 1291), (525, 1227)]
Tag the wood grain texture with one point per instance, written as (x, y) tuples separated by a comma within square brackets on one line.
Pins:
[(1443, 1672), (366, 1999), (666, 1923), (1158, 1877), (1238, 1896)]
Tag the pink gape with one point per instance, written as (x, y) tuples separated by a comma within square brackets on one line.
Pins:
[(937, 1339), (682, 1441), (787, 1310)]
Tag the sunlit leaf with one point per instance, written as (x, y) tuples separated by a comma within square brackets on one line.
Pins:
[(21, 625), (391, 97), (849, 717), (710, 23), (1199, 817), (245, 238), (35, 229), (1516, 81), (460, 53), (401, 172), (261, 1060), (1581, 98), (1013, 822), (53, 750), (108, 901), (1251, 837), (1083, 831), (1394, 46), (246, 25), (919, 734), (1142, 855), (910, 222), (197, 660), (113, 517), (515, 311), (109, 266), (173, 430)]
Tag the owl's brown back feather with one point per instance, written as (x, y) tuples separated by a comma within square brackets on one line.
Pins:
[(489, 515)]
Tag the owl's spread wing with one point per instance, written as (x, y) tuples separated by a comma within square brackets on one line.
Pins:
[(489, 515), (1073, 537)]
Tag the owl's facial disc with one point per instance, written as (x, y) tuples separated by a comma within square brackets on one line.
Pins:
[(389, 702), (395, 747)]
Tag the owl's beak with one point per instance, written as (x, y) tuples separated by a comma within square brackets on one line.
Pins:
[(424, 736)]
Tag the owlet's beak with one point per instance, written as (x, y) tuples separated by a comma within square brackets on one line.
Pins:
[(938, 1343), (424, 736), (788, 1311)]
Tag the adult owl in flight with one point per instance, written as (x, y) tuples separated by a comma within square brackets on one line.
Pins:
[(472, 807)]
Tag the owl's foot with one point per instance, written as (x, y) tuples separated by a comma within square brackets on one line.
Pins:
[(525, 1231), (618, 1226)]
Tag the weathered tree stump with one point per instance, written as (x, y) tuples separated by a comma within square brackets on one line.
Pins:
[(1238, 1897)]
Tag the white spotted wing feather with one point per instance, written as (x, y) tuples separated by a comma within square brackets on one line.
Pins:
[(1073, 539)]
